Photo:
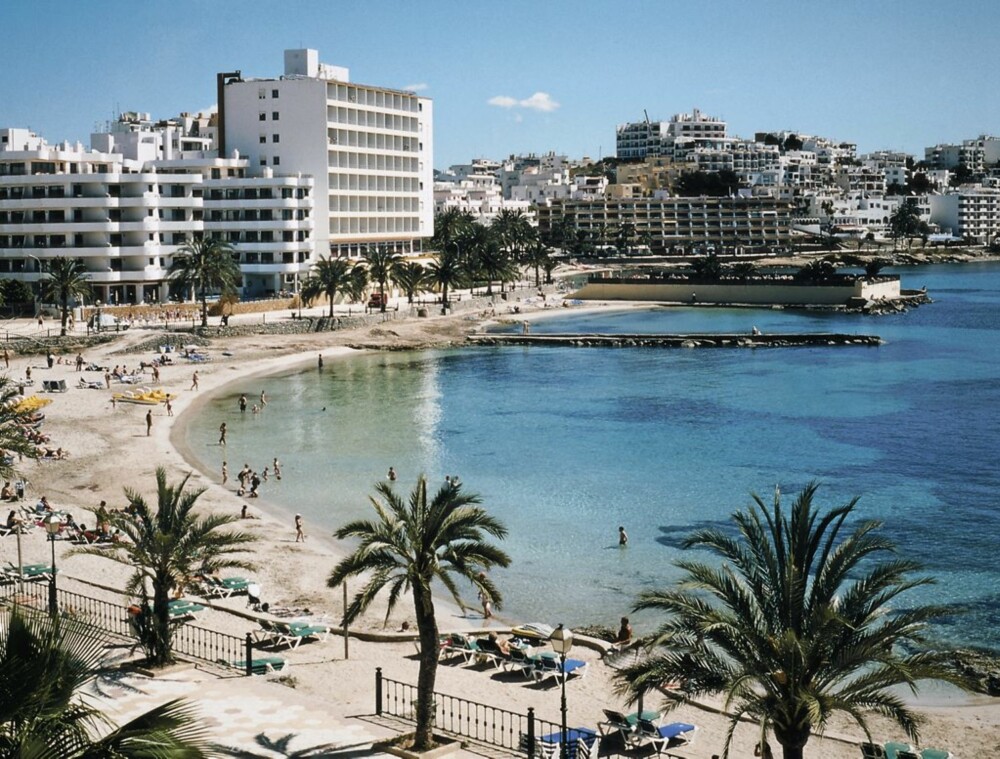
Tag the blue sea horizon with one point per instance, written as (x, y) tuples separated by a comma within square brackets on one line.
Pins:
[(566, 444)]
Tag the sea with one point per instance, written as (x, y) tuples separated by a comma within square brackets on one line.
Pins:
[(564, 445)]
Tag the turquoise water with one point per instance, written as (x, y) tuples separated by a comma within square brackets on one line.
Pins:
[(565, 444)]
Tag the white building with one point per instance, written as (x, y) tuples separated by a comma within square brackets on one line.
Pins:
[(368, 149), (972, 214), (125, 210), (676, 138)]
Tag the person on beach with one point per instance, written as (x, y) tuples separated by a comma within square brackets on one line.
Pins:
[(320, 362), (624, 636), (225, 473), (485, 600), (222, 434), (277, 468), (263, 399), (194, 381), (622, 536), (79, 362), (255, 409), (243, 404), (170, 408), (156, 373), (300, 536), (254, 484), (27, 373), (107, 380), (263, 475), (392, 474), (149, 421), (244, 514)]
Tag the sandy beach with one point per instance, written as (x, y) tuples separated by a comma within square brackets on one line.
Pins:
[(110, 450)]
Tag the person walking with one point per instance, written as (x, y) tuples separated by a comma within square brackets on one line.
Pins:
[(222, 434), (79, 362), (225, 473), (170, 408), (149, 421), (194, 381), (485, 599), (243, 403), (300, 536), (622, 536)]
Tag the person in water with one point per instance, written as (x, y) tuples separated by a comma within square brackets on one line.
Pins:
[(622, 536)]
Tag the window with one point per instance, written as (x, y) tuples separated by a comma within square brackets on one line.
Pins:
[(274, 115), (262, 139), (274, 93), (276, 161), (262, 116), (263, 162), (261, 93), (275, 138)]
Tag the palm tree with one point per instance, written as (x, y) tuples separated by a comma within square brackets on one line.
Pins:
[(449, 225), (411, 276), (447, 271), (328, 277), (43, 668), (205, 264), (165, 547), (411, 544), (536, 256), (380, 263), (14, 421), (66, 281), (794, 625)]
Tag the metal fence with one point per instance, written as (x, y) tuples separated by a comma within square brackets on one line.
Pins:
[(461, 717), (219, 649)]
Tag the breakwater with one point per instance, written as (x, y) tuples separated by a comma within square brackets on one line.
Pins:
[(732, 340)]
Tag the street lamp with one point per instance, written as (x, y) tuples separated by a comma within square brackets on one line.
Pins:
[(562, 641), (97, 315), (52, 526)]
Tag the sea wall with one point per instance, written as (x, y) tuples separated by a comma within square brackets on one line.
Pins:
[(785, 293)]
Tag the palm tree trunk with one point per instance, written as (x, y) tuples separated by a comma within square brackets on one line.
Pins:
[(65, 317), (204, 308), (160, 652), (331, 305), (427, 627), (792, 752), (381, 294)]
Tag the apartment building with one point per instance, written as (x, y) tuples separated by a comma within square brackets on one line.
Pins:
[(676, 138), (670, 222), (125, 210), (369, 150), (977, 155), (972, 214)]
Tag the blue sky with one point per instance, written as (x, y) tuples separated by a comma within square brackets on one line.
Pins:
[(532, 76)]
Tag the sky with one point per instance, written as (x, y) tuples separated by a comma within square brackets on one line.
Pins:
[(524, 76)]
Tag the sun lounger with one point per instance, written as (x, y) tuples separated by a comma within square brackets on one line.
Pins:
[(872, 751), (668, 736), (490, 653), (269, 666), (893, 749), (549, 666), (581, 741), (519, 659), (293, 634)]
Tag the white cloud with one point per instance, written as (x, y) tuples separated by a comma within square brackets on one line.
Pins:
[(540, 101), (418, 87)]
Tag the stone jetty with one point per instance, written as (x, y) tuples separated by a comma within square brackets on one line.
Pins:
[(744, 340)]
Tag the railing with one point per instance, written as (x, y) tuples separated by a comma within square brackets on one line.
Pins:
[(218, 649), (464, 718)]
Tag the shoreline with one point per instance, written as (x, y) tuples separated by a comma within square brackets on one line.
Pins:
[(110, 450)]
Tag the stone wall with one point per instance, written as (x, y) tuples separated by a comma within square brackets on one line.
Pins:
[(760, 293)]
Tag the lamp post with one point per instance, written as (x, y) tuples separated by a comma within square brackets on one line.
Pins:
[(562, 641), (52, 527), (97, 315)]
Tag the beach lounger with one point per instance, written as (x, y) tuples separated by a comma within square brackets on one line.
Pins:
[(519, 659), (490, 653), (295, 633), (668, 736), (270, 635), (549, 666), (268, 666), (581, 741), (893, 749), (616, 724)]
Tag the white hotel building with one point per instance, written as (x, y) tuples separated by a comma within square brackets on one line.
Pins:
[(124, 210), (368, 149)]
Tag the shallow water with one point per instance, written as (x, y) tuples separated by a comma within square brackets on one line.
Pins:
[(565, 444)]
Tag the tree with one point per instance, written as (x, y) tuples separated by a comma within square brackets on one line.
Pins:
[(411, 544), (905, 221), (206, 264), (794, 625), (708, 269), (66, 280), (380, 263), (447, 271), (792, 142), (43, 668), (16, 293), (481, 255), (449, 225), (816, 271), (743, 270), (537, 256), (166, 546), (411, 276), (328, 277), (14, 422), (624, 236)]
